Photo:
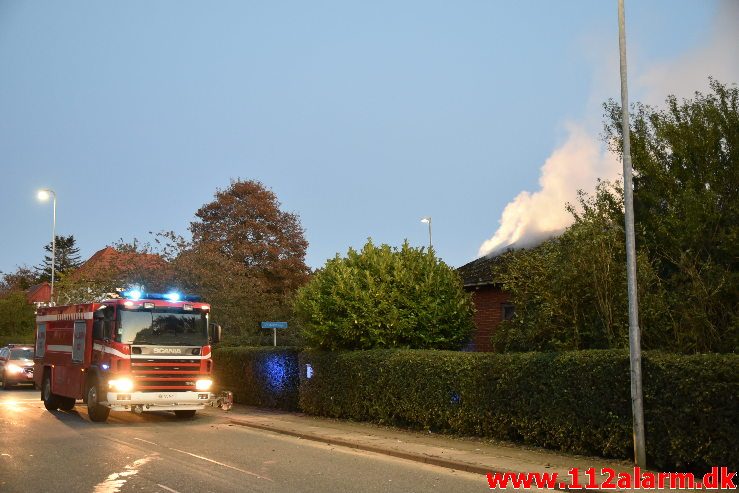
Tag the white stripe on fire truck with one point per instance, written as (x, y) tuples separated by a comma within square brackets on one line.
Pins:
[(59, 348), (109, 350), (115, 352), (161, 356), (65, 316)]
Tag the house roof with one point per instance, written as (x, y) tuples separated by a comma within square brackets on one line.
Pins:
[(479, 272), (40, 293), (109, 258)]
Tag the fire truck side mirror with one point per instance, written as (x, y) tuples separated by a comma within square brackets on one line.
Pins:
[(215, 333)]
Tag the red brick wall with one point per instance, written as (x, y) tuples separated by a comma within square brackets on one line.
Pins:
[(488, 301), (42, 294)]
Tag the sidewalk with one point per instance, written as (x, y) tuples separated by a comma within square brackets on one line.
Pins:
[(474, 455)]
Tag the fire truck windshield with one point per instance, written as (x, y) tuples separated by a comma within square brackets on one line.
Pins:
[(164, 326)]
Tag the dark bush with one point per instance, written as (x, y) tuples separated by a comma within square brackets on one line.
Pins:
[(572, 401), (259, 376)]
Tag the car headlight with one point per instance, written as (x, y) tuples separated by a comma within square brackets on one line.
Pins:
[(203, 384), (121, 384), (12, 368)]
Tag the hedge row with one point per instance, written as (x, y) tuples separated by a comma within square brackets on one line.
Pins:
[(259, 376), (575, 401)]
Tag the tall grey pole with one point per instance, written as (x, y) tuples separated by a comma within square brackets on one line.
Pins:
[(427, 220), (429, 233), (53, 247), (637, 402)]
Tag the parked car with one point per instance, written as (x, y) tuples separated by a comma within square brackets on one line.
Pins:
[(16, 365)]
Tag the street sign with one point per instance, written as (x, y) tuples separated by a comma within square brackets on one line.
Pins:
[(274, 325)]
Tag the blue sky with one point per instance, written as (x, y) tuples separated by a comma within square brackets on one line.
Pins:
[(361, 116)]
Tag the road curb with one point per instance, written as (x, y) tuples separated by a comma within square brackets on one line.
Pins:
[(435, 461)]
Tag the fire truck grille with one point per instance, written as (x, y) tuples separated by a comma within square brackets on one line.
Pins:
[(165, 374)]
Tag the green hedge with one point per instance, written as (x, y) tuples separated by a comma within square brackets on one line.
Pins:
[(574, 401), (259, 376)]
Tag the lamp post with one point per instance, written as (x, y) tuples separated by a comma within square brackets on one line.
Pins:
[(44, 195), (427, 220), (637, 401)]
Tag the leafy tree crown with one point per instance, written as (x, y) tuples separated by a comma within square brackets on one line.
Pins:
[(384, 297)]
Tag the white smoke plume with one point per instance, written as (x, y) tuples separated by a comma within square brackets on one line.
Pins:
[(531, 218)]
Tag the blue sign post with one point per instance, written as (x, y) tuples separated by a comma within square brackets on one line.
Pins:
[(274, 326)]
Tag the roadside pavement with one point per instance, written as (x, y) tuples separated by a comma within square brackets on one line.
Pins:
[(474, 455)]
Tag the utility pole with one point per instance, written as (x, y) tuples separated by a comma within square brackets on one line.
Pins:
[(427, 220), (637, 401), (44, 195)]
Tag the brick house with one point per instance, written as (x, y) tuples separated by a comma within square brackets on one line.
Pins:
[(101, 266), (39, 294), (492, 304), (111, 260)]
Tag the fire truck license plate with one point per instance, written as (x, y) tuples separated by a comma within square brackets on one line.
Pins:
[(166, 396)]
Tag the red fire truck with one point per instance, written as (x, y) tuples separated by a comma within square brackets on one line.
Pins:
[(133, 353)]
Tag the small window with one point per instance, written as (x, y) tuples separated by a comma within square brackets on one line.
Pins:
[(507, 311)]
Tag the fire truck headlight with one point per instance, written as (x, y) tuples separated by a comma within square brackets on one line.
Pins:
[(203, 384), (121, 384), (11, 368)]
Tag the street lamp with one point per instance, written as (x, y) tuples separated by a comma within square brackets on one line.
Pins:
[(43, 195), (427, 220), (637, 399)]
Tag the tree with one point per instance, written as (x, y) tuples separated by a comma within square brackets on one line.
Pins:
[(16, 314), (686, 205), (20, 280), (246, 257), (246, 225), (66, 258), (16, 318), (382, 297), (570, 292)]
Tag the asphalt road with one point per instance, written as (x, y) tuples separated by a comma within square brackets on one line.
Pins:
[(41, 451)]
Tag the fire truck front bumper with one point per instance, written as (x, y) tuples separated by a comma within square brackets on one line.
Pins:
[(159, 401)]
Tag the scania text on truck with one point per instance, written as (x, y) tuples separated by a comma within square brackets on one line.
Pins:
[(133, 353)]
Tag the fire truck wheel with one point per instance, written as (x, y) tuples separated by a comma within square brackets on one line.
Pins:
[(51, 400), (66, 403), (97, 412), (185, 414)]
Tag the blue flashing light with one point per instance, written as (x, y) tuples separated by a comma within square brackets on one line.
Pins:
[(275, 369), (134, 294), (173, 296), (104, 366)]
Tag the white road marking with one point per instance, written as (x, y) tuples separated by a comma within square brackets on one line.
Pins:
[(145, 441), (220, 463), (205, 459), (168, 489), (114, 482)]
